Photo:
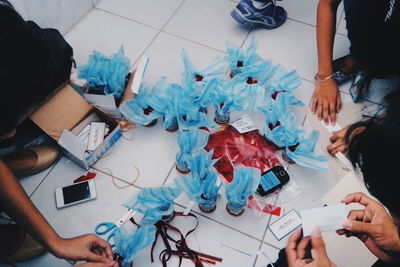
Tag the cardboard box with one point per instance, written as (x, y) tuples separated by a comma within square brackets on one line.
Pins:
[(65, 115)]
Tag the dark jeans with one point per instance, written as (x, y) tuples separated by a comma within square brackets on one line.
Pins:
[(373, 28)]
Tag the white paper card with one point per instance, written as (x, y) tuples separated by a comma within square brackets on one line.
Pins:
[(286, 224), (141, 69), (244, 124), (327, 219), (96, 135)]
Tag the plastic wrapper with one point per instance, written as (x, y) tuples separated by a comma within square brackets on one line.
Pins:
[(233, 149), (108, 73), (304, 153), (154, 202), (129, 242), (239, 59), (244, 184), (194, 80)]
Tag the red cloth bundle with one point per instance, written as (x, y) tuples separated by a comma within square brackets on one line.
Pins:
[(232, 148)]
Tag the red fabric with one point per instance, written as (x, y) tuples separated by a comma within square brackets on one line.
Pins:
[(232, 148)]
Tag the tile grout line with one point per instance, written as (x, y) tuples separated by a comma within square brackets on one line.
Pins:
[(159, 32), (169, 173), (78, 21), (44, 178), (186, 39), (247, 36), (126, 18), (265, 233)]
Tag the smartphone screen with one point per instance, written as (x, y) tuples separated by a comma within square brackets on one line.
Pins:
[(269, 181), (76, 192)]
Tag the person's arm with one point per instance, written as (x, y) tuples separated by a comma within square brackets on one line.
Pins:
[(326, 100), (16, 203)]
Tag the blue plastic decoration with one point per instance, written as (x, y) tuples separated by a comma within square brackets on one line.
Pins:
[(203, 192), (239, 60), (129, 242), (188, 115), (200, 163), (194, 80), (138, 110), (154, 202), (224, 99), (162, 100), (304, 154), (105, 72), (244, 184), (188, 140), (209, 188)]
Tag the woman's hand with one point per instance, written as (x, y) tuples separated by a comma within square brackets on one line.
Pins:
[(326, 101), (373, 226), (298, 251), (86, 247)]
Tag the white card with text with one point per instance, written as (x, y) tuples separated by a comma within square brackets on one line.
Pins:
[(286, 224)]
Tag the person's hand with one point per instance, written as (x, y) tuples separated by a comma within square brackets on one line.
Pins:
[(298, 251), (338, 143), (86, 247), (326, 101), (373, 226)]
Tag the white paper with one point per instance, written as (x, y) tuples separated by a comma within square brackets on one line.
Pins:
[(141, 69), (327, 219), (286, 224), (96, 135), (244, 124)]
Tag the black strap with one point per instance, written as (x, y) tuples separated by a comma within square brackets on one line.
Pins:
[(182, 249)]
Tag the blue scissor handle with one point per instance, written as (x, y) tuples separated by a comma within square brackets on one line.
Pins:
[(104, 228)]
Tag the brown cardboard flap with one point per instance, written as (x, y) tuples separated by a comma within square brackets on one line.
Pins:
[(62, 111)]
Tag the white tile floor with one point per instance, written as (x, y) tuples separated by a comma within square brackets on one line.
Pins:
[(160, 29)]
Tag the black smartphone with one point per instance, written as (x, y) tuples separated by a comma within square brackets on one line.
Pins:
[(272, 180)]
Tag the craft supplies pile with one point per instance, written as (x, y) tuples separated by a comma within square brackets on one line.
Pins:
[(213, 153)]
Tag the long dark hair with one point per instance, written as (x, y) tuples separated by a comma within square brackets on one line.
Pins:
[(373, 147)]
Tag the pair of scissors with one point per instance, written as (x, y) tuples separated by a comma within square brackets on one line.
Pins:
[(108, 227)]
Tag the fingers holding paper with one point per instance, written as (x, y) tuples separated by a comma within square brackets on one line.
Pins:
[(373, 226), (299, 248)]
